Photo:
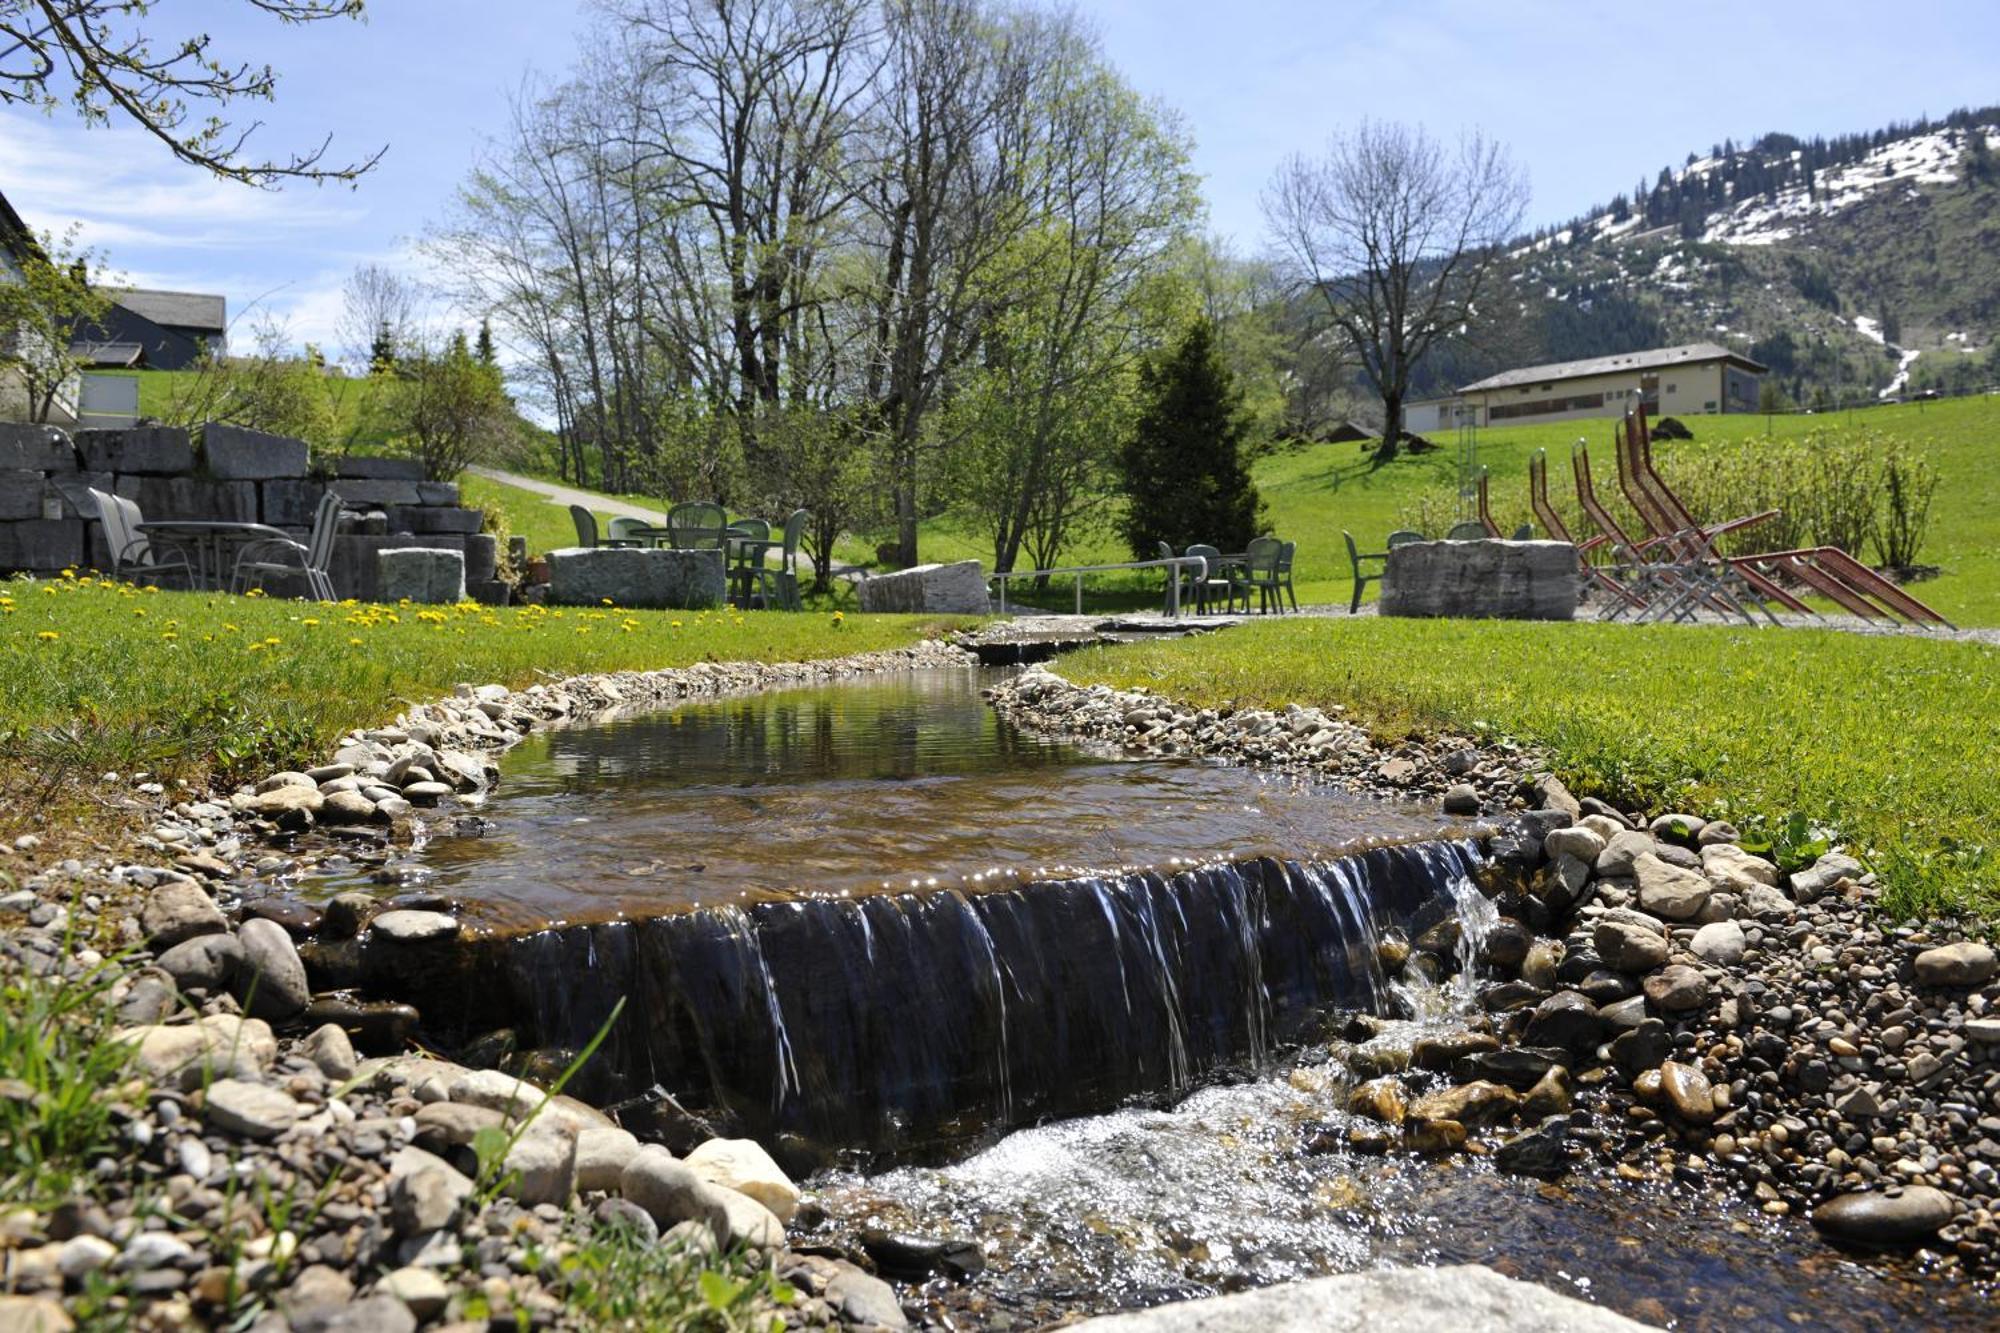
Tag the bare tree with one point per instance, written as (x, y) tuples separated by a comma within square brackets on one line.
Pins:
[(1399, 236), (376, 305), (93, 55)]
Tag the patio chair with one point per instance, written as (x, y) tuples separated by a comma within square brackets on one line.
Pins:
[(281, 556), (697, 525), (1552, 523), (132, 556), (1471, 530), (1403, 537), (1672, 587), (782, 584), (1355, 555), (1260, 571), (1214, 581), (624, 530), (1176, 574), (1285, 554)]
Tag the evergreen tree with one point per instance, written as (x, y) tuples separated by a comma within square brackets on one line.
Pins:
[(382, 352), (487, 357), (1183, 465)]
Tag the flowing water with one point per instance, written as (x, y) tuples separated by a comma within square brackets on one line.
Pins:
[(987, 984)]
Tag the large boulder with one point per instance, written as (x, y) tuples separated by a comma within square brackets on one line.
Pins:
[(631, 577), (1482, 579), (954, 589)]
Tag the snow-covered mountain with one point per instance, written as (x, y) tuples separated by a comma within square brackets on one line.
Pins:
[(1863, 266)]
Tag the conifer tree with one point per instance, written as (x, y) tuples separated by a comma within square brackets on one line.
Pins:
[(1185, 474), (487, 357), (382, 352)]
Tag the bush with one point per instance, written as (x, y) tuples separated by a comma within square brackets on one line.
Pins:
[(1904, 515)]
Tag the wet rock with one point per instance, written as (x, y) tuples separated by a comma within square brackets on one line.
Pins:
[(861, 1298), (299, 919), (205, 963), (1441, 1050), (375, 1027), (1956, 965), (412, 926), (1519, 1067), (1719, 942), (743, 1166), (1539, 967), (1379, 1099), (1669, 891), (1628, 946), (1604, 986), (1551, 1095), (1567, 1020), (179, 910), (1508, 995), (1909, 1215), (1441, 939), (252, 1110), (1433, 1138), (1641, 1049), (916, 1258), (347, 914), (1687, 1090), (1471, 1104), (1623, 1015), (1506, 944), (1563, 883), (1542, 1152), (272, 981), (1676, 989)]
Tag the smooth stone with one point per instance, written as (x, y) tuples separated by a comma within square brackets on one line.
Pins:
[(252, 1110), (1582, 843), (1716, 832), (1622, 852), (1552, 1095), (346, 915), (425, 1192), (422, 1290), (743, 1166), (1470, 1104), (380, 1313), (272, 979), (179, 910), (349, 808), (1629, 947), (1669, 891), (186, 1055), (426, 793), (1823, 874), (83, 1255), (411, 926), (1676, 989), (204, 963), (1908, 1215), (1677, 828), (1462, 799), (863, 1299), (601, 1155), (1719, 942), (1379, 1099), (541, 1166), (1567, 1020), (1730, 867), (1541, 1152), (1687, 1090), (664, 1186), (1956, 965)]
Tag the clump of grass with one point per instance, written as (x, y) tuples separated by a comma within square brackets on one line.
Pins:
[(60, 1071), (1885, 741), (611, 1277)]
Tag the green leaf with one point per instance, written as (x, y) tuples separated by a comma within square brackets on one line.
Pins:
[(718, 1291)]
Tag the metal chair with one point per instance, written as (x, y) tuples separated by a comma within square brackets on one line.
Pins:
[(1362, 578), (268, 556), (1214, 580), (132, 555)]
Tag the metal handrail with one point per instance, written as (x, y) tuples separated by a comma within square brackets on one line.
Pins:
[(1198, 563)]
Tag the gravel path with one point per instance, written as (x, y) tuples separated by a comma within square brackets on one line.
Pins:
[(566, 496)]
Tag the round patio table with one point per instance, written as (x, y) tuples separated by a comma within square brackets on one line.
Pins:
[(210, 543)]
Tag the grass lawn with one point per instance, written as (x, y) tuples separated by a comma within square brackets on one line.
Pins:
[(525, 513), (97, 677), (1887, 741)]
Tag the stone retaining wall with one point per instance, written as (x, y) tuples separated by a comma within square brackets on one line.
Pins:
[(47, 520)]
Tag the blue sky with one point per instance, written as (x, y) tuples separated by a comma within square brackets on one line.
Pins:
[(1589, 96)]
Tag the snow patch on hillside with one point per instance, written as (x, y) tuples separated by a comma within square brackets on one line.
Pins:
[(1870, 329), (1902, 377)]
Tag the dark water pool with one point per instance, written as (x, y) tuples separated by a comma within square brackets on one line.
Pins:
[(885, 784)]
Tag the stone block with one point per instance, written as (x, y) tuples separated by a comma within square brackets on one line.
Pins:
[(41, 545), (437, 492), (366, 492), (435, 518), (353, 567), (954, 589), (683, 580), (289, 502), (236, 454), (191, 497), (482, 556), (159, 451), (421, 574), (21, 494), (490, 592), (74, 489), (1487, 579), (382, 469), (26, 448)]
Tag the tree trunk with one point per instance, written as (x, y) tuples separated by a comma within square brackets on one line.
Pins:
[(1392, 428)]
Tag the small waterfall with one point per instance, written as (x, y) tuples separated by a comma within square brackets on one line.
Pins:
[(911, 1025)]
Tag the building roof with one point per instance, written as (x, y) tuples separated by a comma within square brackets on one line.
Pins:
[(176, 310), (14, 233), (1659, 358), (107, 353)]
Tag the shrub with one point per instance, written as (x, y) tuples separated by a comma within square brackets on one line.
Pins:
[(1904, 515)]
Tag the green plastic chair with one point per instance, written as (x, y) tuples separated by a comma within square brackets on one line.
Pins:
[(781, 585), (1176, 573), (1215, 580), (625, 531), (1469, 531), (1261, 573), (697, 525), (1285, 554), (1355, 555)]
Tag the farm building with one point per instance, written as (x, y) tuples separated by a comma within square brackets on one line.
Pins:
[(1690, 380)]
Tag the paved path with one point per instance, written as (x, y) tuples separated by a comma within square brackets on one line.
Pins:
[(558, 494)]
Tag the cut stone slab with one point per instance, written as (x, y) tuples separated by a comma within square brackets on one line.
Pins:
[(365, 493), (41, 545), (30, 448), (954, 589), (383, 469), (158, 450), (1488, 579), (1390, 1300), (235, 454), (420, 574), (677, 580)]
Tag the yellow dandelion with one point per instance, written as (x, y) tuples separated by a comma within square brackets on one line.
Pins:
[(354, 643), (48, 636)]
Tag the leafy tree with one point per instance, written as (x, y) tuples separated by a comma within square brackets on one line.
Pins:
[(484, 347), (448, 410), (43, 301), (95, 56), (1184, 473)]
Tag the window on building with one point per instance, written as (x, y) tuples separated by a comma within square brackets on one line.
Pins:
[(1540, 406), (1670, 388)]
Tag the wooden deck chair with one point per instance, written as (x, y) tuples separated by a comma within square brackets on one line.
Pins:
[(1827, 570), (1486, 508), (1673, 590), (1552, 523)]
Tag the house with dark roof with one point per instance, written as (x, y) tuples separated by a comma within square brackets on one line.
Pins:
[(1693, 379), (155, 330)]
